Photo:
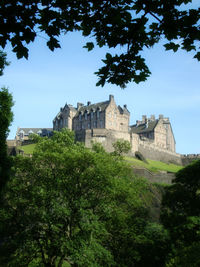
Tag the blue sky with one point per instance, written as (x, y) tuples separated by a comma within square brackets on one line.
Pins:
[(47, 80)]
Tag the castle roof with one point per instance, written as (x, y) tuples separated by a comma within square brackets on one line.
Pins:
[(123, 110), (59, 115), (144, 127), (71, 107), (93, 107), (27, 131)]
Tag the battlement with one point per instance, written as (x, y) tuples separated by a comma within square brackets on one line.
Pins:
[(189, 158), (192, 156), (152, 118)]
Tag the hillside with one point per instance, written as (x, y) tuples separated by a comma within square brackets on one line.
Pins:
[(152, 165), (28, 149)]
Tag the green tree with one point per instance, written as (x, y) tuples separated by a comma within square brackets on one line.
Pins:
[(3, 62), (50, 206), (181, 216), (135, 238), (131, 25), (6, 117), (121, 147), (70, 204)]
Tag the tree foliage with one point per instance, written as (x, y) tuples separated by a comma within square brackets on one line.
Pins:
[(130, 25), (69, 204), (6, 117), (181, 216), (3, 62), (121, 147)]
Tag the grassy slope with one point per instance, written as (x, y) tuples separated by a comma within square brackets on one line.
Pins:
[(153, 165), (28, 149)]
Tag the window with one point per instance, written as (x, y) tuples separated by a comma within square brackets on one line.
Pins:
[(39, 132), (21, 134), (89, 125), (80, 117), (30, 132), (85, 115), (95, 124), (92, 114), (97, 113)]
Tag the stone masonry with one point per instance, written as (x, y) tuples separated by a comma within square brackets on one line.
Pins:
[(105, 122)]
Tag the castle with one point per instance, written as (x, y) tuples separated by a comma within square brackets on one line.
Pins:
[(105, 122), (23, 134)]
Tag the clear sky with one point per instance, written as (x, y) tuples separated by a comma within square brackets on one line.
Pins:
[(47, 80)]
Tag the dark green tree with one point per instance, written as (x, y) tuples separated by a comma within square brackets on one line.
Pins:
[(181, 216), (135, 239), (71, 205), (50, 206), (3, 62), (130, 25), (6, 117)]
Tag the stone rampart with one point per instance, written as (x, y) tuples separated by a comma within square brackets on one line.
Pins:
[(189, 158), (151, 151), (155, 153), (103, 136), (158, 177)]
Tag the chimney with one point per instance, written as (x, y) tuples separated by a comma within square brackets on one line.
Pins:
[(79, 105), (160, 116), (144, 118), (88, 103), (152, 118), (125, 106), (111, 98)]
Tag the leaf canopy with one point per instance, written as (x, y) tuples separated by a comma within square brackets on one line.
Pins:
[(129, 25)]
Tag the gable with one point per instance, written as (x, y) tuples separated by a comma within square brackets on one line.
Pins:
[(144, 127)]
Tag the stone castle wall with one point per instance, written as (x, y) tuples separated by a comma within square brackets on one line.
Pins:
[(108, 137), (114, 120), (159, 154), (89, 121), (189, 158), (159, 177), (102, 136), (151, 151)]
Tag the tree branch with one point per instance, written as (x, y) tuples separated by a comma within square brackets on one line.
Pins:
[(155, 16)]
